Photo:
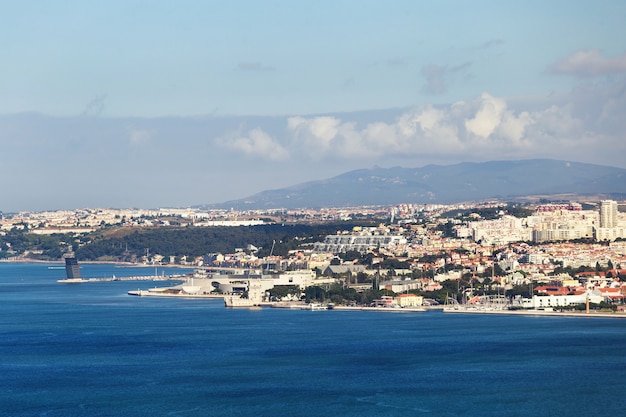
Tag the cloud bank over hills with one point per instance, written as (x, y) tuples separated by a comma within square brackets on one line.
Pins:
[(90, 160)]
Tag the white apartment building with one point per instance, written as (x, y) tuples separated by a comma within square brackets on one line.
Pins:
[(563, 225), (556, 301), (359, 241), (608, 214), (553, 232), (500, 231), (611, 226)]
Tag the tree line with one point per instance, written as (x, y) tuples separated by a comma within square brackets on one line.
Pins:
[(128, 243)]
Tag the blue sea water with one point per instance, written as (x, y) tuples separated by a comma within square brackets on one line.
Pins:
[(92, 350)]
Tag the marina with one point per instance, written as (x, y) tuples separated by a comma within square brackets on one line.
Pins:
[(114, 278), (73, 275)]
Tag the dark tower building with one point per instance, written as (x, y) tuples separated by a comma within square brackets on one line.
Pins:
[(72, 270)]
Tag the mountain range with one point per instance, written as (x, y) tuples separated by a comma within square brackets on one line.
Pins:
[(444, 184)]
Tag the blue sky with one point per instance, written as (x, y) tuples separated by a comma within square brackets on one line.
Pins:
[(215, 100)]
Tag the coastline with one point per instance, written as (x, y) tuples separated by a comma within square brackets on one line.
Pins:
[(139, 292), (304, 306), (382, 309), (148, 293), (540, 313), (125, 264)]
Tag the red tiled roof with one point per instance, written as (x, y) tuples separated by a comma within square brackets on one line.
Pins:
[(553, 290), (590, 273)]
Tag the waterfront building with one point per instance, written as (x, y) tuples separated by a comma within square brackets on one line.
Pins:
[(256, 292), (409, 300), (72, 270), (384, 301), (301, 278), (399, 286), (556, 301)]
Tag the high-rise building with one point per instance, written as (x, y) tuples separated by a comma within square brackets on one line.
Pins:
[(608, 214)]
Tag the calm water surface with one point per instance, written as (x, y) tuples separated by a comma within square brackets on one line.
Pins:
[(91, 350)]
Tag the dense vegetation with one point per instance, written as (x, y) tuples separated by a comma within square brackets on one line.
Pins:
[(48, 247), (490, 213), (196, 241), (339, 294), (126, 244)]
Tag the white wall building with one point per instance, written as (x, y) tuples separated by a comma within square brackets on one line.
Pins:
[(608, 214), (556, 301), (361, 242)]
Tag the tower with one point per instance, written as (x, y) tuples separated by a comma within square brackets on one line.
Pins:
[(608, 214), (72, 270)]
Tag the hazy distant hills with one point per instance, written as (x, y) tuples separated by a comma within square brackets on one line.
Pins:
[(444, 184)]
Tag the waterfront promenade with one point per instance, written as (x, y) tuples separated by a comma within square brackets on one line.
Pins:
[(604, 314), (305, 306)]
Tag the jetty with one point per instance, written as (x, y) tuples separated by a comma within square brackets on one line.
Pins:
[(114, 278), (73, 276)]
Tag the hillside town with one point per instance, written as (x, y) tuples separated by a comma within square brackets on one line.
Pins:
[(546, 255)]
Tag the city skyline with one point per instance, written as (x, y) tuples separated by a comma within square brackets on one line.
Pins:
[(132, 104)]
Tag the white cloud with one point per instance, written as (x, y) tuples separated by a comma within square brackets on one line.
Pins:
[(320, 136), (589, 63), (494, 120), (557, 121), (480, 129), (586, 124), (315, 133), (417, 131), (513, 127), (425, 119), (258, 143), (487, 118), (382, 138)]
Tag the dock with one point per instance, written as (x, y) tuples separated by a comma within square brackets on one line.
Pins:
[(114, 278)]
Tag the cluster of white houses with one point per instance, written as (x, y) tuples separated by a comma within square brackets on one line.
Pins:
[(551, 222)]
